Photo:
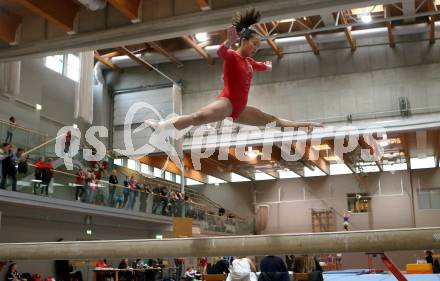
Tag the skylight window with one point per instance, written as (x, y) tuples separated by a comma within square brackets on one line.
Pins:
[(313, 173), (395, 167), (339, 169), (214, 180), (367, 167), (287, 174), (192, 182), (423, 163), (259, 176), (238, 178)]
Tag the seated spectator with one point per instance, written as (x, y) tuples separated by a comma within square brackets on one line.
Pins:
[(308, 264), (12, 273), (273, 268), (190, 274), (220, 267), (125, 275), (64, 270), (242, 269), (102, 263)]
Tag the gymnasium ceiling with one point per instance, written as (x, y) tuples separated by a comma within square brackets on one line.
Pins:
[(40, 27)]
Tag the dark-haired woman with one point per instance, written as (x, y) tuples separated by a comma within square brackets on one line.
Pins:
[(237, 75), (12, 274)]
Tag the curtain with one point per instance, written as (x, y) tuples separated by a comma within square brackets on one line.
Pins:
[(84, 89), (10, 78)]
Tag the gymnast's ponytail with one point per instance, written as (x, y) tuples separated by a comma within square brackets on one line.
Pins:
[(243, 23)]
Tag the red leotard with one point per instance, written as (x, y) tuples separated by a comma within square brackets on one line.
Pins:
[(237, 77)]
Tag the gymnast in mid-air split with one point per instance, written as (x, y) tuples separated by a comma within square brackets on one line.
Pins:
[(238, 69)]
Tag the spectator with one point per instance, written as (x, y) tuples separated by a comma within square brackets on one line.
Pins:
[(64, 270), (4, 152), (46, 175), (12, 273), (9, 132), (9, 167), (273, 268), (91, 190), (179, 263), (220, 267), (309, 264), (127, 275), (188, 207), (242, 269), (164, 200), (132, 193), (156, 199), (290, 261), (190, 274), (113, 180), (125, 192), (142, 198), (429, 258), (37, 174), (79, 183)]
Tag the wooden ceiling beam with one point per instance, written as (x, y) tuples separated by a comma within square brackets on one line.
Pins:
[(263, 30), (107, 62), (111, 55), (128, 53), (190, 41), (431, 22), (347, 31), (60, 12), (302, 26), (203, 5), (391, 39), (321, 163), (229, 164), (158, 48), (160, 161), (130, 8), (9, 24)]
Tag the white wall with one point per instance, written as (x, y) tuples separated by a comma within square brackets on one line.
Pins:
[(56, 94)]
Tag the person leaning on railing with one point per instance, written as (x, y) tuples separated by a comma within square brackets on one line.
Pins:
[(113, 180)]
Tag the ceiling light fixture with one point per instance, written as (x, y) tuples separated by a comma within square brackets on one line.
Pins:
[(366, 18), (202, 37)]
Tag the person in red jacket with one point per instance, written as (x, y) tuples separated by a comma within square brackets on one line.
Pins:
[(46, 175), (238, 70), (37, 174)]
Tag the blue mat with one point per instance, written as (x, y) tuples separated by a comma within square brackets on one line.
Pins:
[(378, 277)]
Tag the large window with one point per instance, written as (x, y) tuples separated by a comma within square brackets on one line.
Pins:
[(358, 202), (67, 65), (56, 63), (72, 70), (429, 198)]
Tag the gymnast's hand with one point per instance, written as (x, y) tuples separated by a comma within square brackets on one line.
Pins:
[(232, 37), (268, 65)]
